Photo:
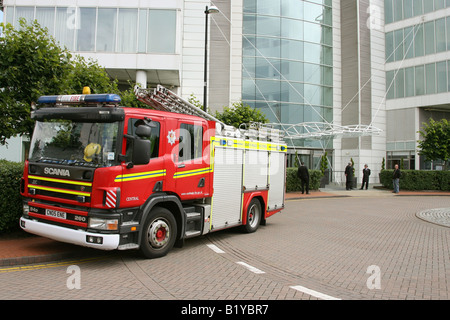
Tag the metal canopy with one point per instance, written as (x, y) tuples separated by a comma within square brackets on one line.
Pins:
[(322, 130)]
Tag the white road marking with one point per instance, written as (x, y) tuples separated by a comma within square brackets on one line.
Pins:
[(314, 293), (215, 248), (251, 268)]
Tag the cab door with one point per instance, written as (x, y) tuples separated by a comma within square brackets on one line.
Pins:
[(192, 169), (140, 181)]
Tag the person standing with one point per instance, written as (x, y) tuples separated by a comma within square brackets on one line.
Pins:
[(349, 176), (396, 179), (366, 174), (303, 175)]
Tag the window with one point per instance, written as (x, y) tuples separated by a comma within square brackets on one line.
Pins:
[(65, 26), (441, 44), (409, 82), (86, 31), (429, 38), (407, 9), (127, 30), (409, 43), (154, 138), (398, 36), (161, 31), (420, 80), (430, 72), (191, 142), (398, 10), (388, 10), (400, 84), (419, 42), (390, 46), (390, 88), (106, 30), (441, 70)]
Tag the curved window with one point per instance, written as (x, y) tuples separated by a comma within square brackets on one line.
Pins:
[(287, 59)]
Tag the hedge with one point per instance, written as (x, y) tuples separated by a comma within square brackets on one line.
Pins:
[(418, 180), (11, 200), (293, 182)]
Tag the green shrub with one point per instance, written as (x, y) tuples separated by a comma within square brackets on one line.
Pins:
[(418, 180), (11, 200), (293, 182)]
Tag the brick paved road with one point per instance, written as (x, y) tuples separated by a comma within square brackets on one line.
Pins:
[(324, 245)]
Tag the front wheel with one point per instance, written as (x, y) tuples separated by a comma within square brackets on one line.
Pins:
[(159, 233), (254, 216)]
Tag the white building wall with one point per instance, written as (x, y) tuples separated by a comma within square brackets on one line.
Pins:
[(193, 46)]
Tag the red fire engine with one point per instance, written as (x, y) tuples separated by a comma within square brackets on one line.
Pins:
[(110, 177)]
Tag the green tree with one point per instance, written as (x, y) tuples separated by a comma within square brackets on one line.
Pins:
[(87, 72), (240, 113), (435, 144), (31, 64)]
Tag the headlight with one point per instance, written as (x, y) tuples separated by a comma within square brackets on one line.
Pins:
[(103, 224)]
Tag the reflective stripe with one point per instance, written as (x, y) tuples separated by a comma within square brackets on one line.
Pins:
[(191, 173), (78, 183), (86, 194), (140, 175)]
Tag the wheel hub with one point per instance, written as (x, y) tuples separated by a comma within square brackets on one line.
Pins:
[(159, 233)]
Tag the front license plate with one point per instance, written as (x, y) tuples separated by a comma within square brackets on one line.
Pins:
[(55, 214)]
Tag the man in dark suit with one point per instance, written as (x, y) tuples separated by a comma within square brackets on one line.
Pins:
[(366, 174), (303, 175), (349, 176)]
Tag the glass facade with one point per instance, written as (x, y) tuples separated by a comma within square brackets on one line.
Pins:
[(396, 10), (287, 60), (419, 40), (117, 30), (429, 38)]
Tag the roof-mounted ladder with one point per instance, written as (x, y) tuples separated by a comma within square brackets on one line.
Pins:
[(161, 98)]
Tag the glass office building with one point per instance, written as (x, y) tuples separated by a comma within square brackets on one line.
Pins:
[(287, 69), (417, 38)]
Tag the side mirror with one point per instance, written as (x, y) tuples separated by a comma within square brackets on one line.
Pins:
[(144, 131), (141, 151)]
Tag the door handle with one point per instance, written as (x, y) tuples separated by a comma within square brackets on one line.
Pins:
[(181, 165)]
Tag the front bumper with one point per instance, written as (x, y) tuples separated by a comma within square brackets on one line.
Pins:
[(77, 237)]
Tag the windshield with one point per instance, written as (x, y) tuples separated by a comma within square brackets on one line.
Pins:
[(74, 143)]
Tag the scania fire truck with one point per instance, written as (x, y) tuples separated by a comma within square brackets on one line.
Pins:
[(110, 177)]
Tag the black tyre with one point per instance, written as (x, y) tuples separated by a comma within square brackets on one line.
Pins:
[(254, 216), (159, 233)]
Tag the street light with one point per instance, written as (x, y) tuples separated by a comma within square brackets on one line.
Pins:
[(208, 10)]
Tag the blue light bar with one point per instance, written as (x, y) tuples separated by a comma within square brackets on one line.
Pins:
[(105, 98)]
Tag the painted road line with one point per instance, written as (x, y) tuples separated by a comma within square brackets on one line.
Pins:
[(314, 293), (215, 248), (251, 268), (49, 265)]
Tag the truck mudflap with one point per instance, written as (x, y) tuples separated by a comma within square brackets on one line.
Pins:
[(77, 237)]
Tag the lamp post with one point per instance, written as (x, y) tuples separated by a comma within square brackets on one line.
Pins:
[(208, 10)]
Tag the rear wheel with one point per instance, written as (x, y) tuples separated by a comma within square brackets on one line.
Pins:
[(254, 216), (159, 233)]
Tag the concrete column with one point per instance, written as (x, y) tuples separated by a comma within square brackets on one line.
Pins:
[(141, 78)]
